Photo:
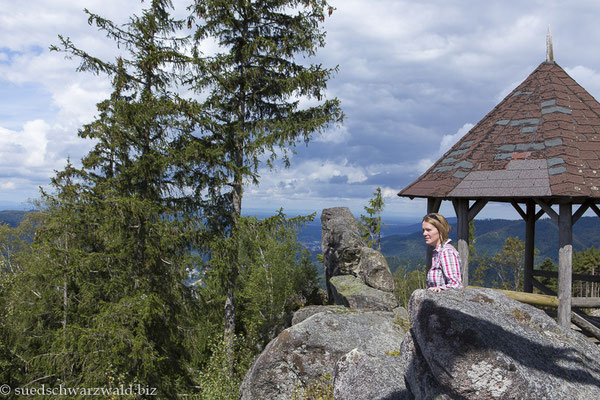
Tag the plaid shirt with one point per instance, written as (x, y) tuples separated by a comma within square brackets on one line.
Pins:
[(445, 271)]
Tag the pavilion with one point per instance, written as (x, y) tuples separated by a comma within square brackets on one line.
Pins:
[(538, 148)]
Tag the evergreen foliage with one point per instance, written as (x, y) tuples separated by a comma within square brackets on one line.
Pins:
[(406, 281), (103, 302), (277, 276), (254, 85), (97, 297), (371, 223), (508, 264), (586, 262), (551, 283)]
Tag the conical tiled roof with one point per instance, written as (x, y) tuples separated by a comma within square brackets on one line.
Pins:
[(542, 140)]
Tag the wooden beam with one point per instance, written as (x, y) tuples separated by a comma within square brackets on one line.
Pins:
[(529, 246), (547, 209), (576, 277), (541, 300), (595, 208), (542, 288), (565, 263), (585, 302), (461, 207), (546, 300), (476, 208), (585, 325), (517, 207), (580, 211), (539, 214)]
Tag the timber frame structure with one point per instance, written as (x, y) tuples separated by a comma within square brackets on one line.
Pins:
[(539, 148)]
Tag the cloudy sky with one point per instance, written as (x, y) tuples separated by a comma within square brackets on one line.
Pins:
[(413, 77)]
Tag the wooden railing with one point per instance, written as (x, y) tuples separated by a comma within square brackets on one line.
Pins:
[(578, 317)]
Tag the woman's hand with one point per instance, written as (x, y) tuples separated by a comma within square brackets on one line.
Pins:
[(435, 289)]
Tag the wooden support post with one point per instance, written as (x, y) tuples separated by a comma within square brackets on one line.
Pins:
[(565, 263), (529, 247), (461, 206), (433, 206)]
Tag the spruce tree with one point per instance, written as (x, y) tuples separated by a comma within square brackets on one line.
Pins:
[(253, 86), (371, 224), (105, 302)]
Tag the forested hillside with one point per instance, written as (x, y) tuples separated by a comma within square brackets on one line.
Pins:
[(490, 235), (11, 217)]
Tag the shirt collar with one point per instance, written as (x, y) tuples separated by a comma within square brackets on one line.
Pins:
[(441, 245)]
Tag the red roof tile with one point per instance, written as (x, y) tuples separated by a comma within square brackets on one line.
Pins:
[(542, 140)]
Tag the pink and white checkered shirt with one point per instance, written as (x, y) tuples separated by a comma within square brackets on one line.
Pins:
[(445, 271)]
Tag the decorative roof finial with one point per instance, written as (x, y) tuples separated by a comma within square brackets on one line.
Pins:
[(549, 49)]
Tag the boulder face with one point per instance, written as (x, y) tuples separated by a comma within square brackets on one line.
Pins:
[(359, 376), (345, 253), (309, 350), (374, 270), (351, 292), (479, 344), (340, 242), (471, 344)]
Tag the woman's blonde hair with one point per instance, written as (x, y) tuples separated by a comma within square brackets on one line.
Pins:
[(440, 224)]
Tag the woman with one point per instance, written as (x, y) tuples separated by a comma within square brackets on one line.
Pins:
[(445, 271)]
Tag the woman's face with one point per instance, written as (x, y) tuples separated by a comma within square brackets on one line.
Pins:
[(431, 234)]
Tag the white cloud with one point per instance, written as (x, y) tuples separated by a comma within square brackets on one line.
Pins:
[(388, 192), (450, 140), (586, 77), (334, 135), (325, 170), (26, 148), (424, 164), (7, 185)]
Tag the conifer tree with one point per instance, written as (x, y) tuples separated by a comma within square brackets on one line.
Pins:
[(105, 301), (371, 223), (253, 86)]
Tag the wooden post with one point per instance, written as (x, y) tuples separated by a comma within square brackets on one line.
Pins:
[(433, 206), (461, 206), (529, 247), (565, 263)]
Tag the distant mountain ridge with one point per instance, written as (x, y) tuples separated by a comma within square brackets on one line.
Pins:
[(490, 235), (12, 217), (406, 241)]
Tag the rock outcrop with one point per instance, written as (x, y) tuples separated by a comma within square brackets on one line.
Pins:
[(365, 279), (471, 344), (360, 376), (310, 349), (479, 344), (350, 291), (462, 344)]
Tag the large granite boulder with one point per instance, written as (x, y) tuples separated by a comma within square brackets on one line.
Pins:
[(374, 271), (359, 376), (345, 253), (310, 349), (351, 292), (309, 311), (340, 242), (479, 344)]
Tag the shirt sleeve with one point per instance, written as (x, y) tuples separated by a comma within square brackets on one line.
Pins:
[(450, 263)]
